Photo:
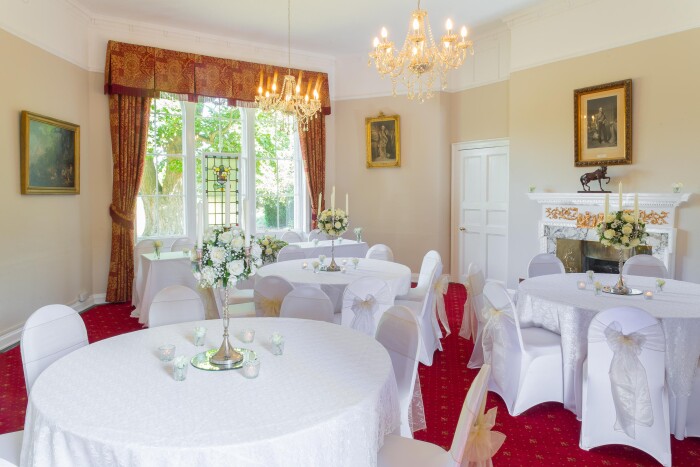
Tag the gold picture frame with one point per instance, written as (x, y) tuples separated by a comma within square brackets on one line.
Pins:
[(603, 124), (49, 155), (383, 141)]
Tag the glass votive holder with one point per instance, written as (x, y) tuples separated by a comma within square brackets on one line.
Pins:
[(343, 269), (581, 285), (321, 258), (304, 265), (591, 275), (660, 285), (340, 240), (200, 332), (277, 341), (597, 287), (166, 352), (344, 261), (251, 368), (648, 295), (180, 368), (248, 335), (355, 262), (316, 265), (315, 241)]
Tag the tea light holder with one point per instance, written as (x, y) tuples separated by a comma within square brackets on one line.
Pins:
[(180, 365), (581, 285), (316, 265), (200, 332), (304, 265), (166, 352), (648, 295), (277, 341), (355, 262), (591, 275), (251, 368), (322, 259), (248, 335)]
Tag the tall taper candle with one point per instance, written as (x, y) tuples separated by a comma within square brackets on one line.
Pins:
[(227, 205), (333, 200), (607, 206), (347, 205), (318, 207), (636, 207), (619, 194)]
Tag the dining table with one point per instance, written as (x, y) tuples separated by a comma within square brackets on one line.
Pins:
[(555, 302), (329, 399)]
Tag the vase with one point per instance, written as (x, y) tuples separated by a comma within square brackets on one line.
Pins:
[(620, 288), (225, 356)]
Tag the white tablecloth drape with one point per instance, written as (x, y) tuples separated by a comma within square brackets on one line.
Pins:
[(349, 248), (328, 400)]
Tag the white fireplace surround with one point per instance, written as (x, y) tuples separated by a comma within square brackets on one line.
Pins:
[(573, 215)]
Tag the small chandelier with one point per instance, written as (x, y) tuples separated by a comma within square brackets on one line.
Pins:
[(420, 61), (289, 101)]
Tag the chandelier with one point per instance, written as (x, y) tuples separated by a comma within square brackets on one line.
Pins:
[(420, 62), (288, 101)]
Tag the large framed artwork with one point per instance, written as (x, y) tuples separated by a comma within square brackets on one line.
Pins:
[(383, 141), (49, 155), (603, 124)]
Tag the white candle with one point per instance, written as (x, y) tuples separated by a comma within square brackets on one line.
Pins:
[(227, 201), (636, 207), (607, 206), (243, 219), (648, 295), (619, 194), (318, 208), (581, 285), (347, 204), (333, 199)]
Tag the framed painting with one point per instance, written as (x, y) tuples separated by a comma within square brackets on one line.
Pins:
[(603, 124), (49, 155), (383, 141)]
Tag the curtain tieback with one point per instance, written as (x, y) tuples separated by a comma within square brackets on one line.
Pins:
[(120, 217)]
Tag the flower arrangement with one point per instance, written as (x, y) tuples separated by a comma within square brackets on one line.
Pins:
[(333, 222), (622, 231), (270, 246), (358, 233), (660, 285), (157, 245), (677, 186), (225, 258)]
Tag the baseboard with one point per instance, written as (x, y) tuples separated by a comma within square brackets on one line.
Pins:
[(10, 338)]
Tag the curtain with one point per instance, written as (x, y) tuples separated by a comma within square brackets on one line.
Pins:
[(128, 121), (313, 153)]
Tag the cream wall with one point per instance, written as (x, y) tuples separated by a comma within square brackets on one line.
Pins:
[(479, 113), (47, 243), (665, 143)]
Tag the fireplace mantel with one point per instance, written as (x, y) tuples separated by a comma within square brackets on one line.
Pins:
[(657, 200)]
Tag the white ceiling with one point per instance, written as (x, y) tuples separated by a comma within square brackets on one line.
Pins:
[(329, 27)]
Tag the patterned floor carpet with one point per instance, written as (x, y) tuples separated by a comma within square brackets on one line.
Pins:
[(546, 435)]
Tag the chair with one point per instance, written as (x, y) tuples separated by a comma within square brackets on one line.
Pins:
[(527, 365), (318, 235), (364, 302), (307, 302), (399, 333), (182, 244), (175, 304), (431, 260), (142, 247), (398, 451), (472, 324), (380, 251), (10, 448), (544, 264), (692, 421), (645, 265), (269, 293), (625, 399), (291, 236), (290, 252)]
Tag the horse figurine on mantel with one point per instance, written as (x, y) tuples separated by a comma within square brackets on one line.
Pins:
[(600, 175)]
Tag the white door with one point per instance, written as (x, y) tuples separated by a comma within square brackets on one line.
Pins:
[(480, 208)]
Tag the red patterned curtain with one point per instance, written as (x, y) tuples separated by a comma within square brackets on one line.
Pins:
[(313, 153), (128, 121)]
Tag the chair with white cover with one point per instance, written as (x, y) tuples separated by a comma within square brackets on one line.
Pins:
[(625, 399), (692, 410), (380, 251), (291, 236), (399, 333), (175, 304), (142, 247), (182, 244), (316, 234), (527, 363), (364, 302), (472, 324), (10, 448), (398, 451), (307, 302), (544, 264), (269, 294), (645, 265), (431, 260), (290, 252)]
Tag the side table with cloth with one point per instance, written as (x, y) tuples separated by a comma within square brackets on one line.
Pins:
[(328, 400), (555, 303), (349, 248)]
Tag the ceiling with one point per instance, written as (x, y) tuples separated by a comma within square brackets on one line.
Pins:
[(328, 27)]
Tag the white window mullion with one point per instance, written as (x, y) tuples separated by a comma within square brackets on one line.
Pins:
[(248, 167), (190, 188)]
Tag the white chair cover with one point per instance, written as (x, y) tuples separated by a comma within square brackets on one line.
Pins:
[(431, 261), (10, 448), (290, 252), (316, 234), (364, 302), (307, 302), (291, 236), (380, 251), (268, 295), (50, 333), (441, 286), (472, 319), (175, 304), (182, 244), (543, 264), (142, 247), (645, 265)]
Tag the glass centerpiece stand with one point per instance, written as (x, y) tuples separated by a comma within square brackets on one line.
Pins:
[(333, 222)]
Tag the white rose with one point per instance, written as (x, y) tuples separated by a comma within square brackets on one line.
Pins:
[(635, 242), (331, 232), (238, 242), (253, 268), (266, 242), (226, 237), (605, 242), (237, 232), (625, 240), (236, 267), (337, 225), (255, 250), (208, 276), (628, 218), (268, 251), (627, 229), (610, 233), (209, 235), (217, 254)]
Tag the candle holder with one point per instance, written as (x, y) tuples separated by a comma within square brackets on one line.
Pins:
[(225, 356), (333, 267), (620, 288)]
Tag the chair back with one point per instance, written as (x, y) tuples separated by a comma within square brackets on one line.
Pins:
[(475, 283), (175, 304), (142, 247), (291, 236), (431, 263), (307, 302), (645, 265), (182, 244), (316, 234), (544, 264), (380, 251), (364, 302), (497, 296), (470, 411), (290, 252), (50, 333), (268, 295)]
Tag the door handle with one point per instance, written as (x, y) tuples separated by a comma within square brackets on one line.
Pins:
[(462, 229)]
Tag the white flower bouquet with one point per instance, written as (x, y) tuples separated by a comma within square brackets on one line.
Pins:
[(622, 231), (270, 246), (225, 258), (333, 222)]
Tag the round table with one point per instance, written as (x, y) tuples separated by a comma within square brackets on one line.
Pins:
[(554, 302), (333, 284), (328, 400)]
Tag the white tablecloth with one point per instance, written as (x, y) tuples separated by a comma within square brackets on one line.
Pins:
[(329, 400), (348, 248), (333, 283), (555, 303)]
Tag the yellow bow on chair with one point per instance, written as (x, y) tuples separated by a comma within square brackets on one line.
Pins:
[(441, 286), (270, 306), (482, 443)]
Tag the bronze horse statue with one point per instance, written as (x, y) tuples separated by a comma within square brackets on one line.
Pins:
[(600, 175)]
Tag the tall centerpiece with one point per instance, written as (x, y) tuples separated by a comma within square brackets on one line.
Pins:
[(227, 257), (333, 222), (270, 246), (621, 230)]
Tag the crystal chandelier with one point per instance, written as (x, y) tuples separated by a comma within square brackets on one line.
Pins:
[(420, 61), (289, 101)]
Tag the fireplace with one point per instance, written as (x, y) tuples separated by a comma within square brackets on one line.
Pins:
[(590, 255)]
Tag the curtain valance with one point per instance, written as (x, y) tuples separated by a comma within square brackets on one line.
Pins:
[(138, 70)]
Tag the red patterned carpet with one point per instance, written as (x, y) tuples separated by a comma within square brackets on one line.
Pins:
[(546, 435)]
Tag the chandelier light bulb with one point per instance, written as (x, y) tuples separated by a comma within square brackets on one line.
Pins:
[(385, 34), (416, 24), (376, 42), (315, 94), (260, 90), (464, 32), (274, 87), (448, 25)]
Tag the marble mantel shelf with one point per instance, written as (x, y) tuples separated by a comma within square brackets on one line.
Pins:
[(658, 200)]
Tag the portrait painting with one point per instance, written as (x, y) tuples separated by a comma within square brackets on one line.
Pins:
[(383, 141), (49, 155)]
